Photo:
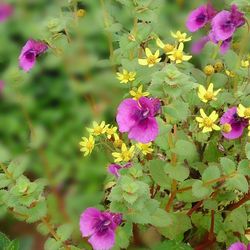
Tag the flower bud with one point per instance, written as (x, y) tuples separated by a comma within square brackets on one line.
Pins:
[(208, 70), (218, 66)]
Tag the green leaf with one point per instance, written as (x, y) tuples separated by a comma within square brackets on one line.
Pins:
[(227, 165), (210, 173), (239, 182), (187, 196), (157, 171), (180, 224), (161, 218), (199, 190), (52, 244), (37, 212), (123, 235), (172, 245), (64, 231), (236, 221), (244, 168), (186, 149), (4, 241), (4, 181), (178, 172), (247, 148)]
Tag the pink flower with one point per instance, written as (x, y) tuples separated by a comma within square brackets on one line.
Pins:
[(226, 22), (199, 17), (31, 50), (6, 11), (100, 227), (236, 123), (114, 168), (239, 246), (138, 118)]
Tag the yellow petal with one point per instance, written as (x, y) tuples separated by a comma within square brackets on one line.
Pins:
[(143, 61), (148, 52), (210, 87), (159, 43), (203, 115)]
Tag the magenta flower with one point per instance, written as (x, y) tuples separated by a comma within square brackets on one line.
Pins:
[(31, 50), (239, 246), (199, 17), (114, 168), (100, 227), (225, 23), (138, 118), (237, 124), (6, 11), (198, 46)]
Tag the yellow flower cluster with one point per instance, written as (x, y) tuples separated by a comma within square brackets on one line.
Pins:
[(145, 148), (151, 59), (87, 144), (137, 93)]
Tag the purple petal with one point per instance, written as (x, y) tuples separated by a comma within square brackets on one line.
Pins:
[(145, 131), (222, 26), (114, 169), (237, 246), (125, 113), (6, 11), (198, 46), (237, 17), (30, 51), (88, 220), (103, 241), (152, 104)]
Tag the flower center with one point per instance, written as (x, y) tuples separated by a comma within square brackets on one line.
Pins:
[(209, 95), (168, 47), (126, 155), (30, 55), (207, 122), (151, 59), (226, 128), (201, 18), (102, 225), (178, 55)]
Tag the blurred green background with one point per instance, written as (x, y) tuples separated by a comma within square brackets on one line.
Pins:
[(43, 113)]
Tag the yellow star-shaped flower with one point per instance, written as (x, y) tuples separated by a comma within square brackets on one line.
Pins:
[(110, 131), (145, 148), (180, 37), (243, 111), (138, 93), (125, 154), (245, 63), (98, 129), (87, 145), (117, 141), (167, 47), (207, 122), (177, 54), (151, 59), (208, 94), (126, 76)]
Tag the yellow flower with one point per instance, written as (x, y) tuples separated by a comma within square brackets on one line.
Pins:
[(87, 145), (244, 64), (151, 59), (230, 73), (98, 129), (125, 154), (243, 111), (137, 93), (208, 94), (180, 37), (126, 76), (208, 70), (110, 131), (177, 54), (117, 141), (145, 148), (207, 122), (167, 47)]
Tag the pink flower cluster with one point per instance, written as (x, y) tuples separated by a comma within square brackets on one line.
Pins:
[(223, 25)]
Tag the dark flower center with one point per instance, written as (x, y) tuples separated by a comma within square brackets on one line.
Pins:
[(201, 18), (30, 55), (227, 26), (237, 120), (102, 226)]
